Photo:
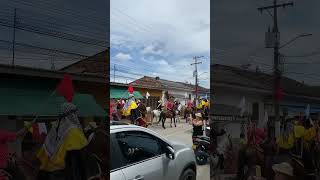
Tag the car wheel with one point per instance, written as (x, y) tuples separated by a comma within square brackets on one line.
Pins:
[(188, 174), (201, 158)]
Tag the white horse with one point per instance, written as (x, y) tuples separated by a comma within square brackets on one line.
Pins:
[(156, 114), (177, 112)]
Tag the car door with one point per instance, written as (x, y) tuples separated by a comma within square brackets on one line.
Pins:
[(144, 155), (117, 162)]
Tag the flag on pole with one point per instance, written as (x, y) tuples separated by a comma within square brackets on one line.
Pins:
[(242, 106), (307, 111), (266, 119), (39, 131), (130, 89), (147, 95), (65, 88)]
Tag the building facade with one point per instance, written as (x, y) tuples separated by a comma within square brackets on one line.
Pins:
[(231, 85)]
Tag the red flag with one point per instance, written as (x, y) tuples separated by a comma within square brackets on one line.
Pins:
[(65, 88), (130, 89)]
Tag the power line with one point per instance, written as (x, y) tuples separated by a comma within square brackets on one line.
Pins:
[(55, 11)]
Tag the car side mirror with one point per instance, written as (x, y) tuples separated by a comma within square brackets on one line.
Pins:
[(170, 153)]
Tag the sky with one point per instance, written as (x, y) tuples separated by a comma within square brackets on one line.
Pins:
[(88, 19), (159, 38), (238, 31)]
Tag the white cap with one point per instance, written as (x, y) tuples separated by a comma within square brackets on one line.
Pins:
[(198, 115), (284, 168)]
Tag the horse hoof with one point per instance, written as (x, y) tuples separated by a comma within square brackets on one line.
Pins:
[(175, 125)]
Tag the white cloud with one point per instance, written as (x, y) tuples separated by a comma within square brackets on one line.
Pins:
[(123, 57), (165, 35), (160, 62), (170, 22), (151, 50)]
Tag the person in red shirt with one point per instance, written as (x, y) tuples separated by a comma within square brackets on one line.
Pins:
[(190, 104), (170, 104)]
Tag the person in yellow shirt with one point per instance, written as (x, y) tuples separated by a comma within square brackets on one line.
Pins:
[(65, 137), (130, 108)]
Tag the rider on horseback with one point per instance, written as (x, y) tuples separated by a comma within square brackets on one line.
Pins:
[(170, 105), (131, 108)]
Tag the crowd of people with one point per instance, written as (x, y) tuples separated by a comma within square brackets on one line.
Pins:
[(128, 108), (68, 151), (293, 154)]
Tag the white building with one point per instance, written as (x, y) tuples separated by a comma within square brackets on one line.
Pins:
[(231, 84)]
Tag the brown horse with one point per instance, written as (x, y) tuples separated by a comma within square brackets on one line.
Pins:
[(187, 112), (168, 114), (99, 149)]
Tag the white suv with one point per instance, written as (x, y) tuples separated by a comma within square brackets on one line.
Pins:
[(138, 153)]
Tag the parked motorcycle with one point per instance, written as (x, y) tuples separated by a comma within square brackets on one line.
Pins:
[(201, 147)]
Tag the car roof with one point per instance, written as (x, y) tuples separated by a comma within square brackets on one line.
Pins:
[(130, 127), (112, 123)]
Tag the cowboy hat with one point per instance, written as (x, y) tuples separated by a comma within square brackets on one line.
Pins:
[(284, 168), (198, 115)]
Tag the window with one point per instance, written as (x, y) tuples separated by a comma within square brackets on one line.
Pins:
[(137, 146), (117, 160)]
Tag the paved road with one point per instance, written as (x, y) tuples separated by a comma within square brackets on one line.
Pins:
[(182, 133)]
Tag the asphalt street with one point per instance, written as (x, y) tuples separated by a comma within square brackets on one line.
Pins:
[(182, 133)]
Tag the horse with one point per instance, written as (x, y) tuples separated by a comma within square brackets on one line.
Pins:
[(187, 112), (156, 114), (98, 148), (178, 111), (168, 114), (216, 162)]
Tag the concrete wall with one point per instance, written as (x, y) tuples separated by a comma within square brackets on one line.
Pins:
[(233, 97), (180, 93), (152, 92)]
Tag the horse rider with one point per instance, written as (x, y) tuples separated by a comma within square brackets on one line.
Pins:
[(170, 105), (189, 108), (131, 108), (60, 151), (205, 108)]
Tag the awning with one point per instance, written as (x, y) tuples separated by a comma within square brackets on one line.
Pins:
[(33, 102), (116, 93)]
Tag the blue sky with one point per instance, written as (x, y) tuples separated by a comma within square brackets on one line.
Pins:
[(159, 38)]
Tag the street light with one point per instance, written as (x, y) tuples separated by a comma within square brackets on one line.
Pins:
[(292, 40)]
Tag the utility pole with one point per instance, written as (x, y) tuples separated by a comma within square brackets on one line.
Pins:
[(276, 72), (52, 61), (14, 35), (196, 73)]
